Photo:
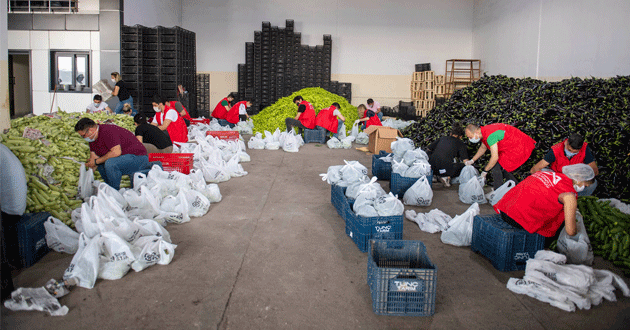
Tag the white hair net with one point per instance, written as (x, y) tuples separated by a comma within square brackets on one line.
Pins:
[(579, 172)]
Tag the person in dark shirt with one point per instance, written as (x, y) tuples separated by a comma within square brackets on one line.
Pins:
[(448, 154), (120, 90), (153, 139), (114, 151), (573, 150)]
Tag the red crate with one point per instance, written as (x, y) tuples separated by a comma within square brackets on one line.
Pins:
[(182, 162), (200, 121), (224, 135)]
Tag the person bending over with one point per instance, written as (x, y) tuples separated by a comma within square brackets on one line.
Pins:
[(222, 108), (98, 106), (234, 115), (330, 119), (444, 151), (153, 139), (305, 118), (168, 119)]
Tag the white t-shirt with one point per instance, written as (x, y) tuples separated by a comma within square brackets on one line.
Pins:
[(336, 112), (171, 114), (101, 107), (242, 109), (12, 183)]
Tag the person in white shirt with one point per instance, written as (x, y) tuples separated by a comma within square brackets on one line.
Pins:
[(98, 105), (375, 107), (242, 112)]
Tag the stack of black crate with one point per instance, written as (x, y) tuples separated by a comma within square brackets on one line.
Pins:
[(277, 64), (156, 61), (203, 95)]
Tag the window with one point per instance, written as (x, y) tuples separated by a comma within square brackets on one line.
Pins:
[(71, 69), (43, 6)]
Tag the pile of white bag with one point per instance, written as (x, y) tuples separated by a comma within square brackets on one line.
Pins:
[(359, 137), (397, 123), (431, 222), (346, 175), (408, 161), (218, 160), (370, 200), (549, 280), (243, 127), (471, 186), (288, 141)]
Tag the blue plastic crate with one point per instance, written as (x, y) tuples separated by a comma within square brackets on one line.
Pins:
[(314, 136), (402, 278), (32, 238), (399, 184), (362, 229), (381, 169), (338, 199), (507, 248)]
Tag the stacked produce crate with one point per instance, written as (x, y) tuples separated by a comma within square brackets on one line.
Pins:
[(156, 61), (277, 64), (203, 95), (423, 92)]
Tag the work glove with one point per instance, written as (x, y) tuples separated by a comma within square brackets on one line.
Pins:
[(469, 162), (356, 121), (483, 174)]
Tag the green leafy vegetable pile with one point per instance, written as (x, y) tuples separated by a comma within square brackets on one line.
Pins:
[(273, 116), (548, 112)]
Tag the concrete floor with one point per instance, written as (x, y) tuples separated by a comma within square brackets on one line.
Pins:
[(274, 255)]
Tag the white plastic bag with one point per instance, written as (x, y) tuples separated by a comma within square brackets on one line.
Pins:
[(401, 145), (153, 228), (362, 138), (495, 196), (355, 131), (334, 143), (86, 182), (256, 143), (418, 169), (352, 172), (472, 191), (422, 220), (291, 144), (332, 175), (388, 205), (467, 172), (85, 263), (116, 257), (175, 208), (399, 167), (152, 250), (459, 232), (419, 194), (577, 248), (35, 299), (198, 204), (113, 194), (272, 145), (346, 143), (60, 237)]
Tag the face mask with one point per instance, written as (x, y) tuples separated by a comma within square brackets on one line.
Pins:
[(157, 109), (114, 81), (569, 154), (578, 188), (87, 139), (474, 140), (96, 105)]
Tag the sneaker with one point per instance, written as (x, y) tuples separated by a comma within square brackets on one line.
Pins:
[(446, 181)]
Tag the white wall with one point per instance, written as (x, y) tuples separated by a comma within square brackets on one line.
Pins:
[(152, 13), (369, 36), (5, 114), (552, 38)]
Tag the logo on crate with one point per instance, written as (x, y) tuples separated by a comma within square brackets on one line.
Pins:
[(521, 256), (40, 244), (383, 229), (406, 286)]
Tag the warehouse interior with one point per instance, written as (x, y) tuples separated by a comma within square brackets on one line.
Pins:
[(274, 253)]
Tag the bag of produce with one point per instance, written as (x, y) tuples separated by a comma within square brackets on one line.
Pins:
[(152, 250), (467, 172), (472, 191), (198, 204), (333, 174), (352, 172), (418, 169), (362, 138), (577, 248), (459, 232), (419, 194), (401, 145), (355, 131), (175, 208), (399, 167), (334, 143), (85, 263), (116, 257), (60, 237), (86, 180), (388, 205), (495, 196)]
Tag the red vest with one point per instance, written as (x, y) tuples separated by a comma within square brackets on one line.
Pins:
[(534, 204), (219, 111), (232, 115), (514, 149), (186, 115), (372, 121), (562, 160), (326, 119), (176, 129), (307, 118)]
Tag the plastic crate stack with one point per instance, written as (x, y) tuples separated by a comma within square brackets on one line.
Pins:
[(156, 61), (277, 64), (203, 95)]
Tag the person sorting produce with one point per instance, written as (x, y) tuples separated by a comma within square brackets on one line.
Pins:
[(182, 111), (572, 150), (167, 119), (545, 200), (98, 106), (114, 151), (375, 107), (369, 118), (233, 116), (305, 118), (509, 147), (443, 152), (120, 90), (330, 119), (153, 139), (222, 108)]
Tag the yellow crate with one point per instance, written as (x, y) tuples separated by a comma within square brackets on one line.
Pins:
[(417, 95), (418, 76), (421, 112), (428, 105), (427, 85), (439, 79), (440, 89), (429, 95), (429, 75), (418, 104), (416, 86)]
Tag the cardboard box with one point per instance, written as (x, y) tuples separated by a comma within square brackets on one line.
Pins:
[(381, 138)]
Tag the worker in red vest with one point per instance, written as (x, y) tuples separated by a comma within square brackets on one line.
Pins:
[(168, 119), (545, 200), (222, 108), (330, 119), (509, 148), (369, 118), (182, 111), (233, 116), (305, 118), (572, 150)]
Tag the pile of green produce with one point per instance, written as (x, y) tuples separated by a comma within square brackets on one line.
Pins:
[(273, 116), (52, 162), (608, 229), (548, 112)]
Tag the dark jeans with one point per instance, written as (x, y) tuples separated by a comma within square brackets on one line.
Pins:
[(292, 122), (114, 168), (224, 122), (446, 170), (339, 123), (511, 222), (498, 174), (9, 252), (242, 117)]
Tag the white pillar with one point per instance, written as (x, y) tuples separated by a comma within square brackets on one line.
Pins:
[(5, 116)]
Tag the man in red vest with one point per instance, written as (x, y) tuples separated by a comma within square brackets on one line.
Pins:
[(509, 147), (169, 120), (369, 118), (305, 118), (545, 200), (222, 108), (572, 150), (233, 116), (330, 119)]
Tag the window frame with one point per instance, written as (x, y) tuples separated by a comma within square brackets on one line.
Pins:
[(74, 54)]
